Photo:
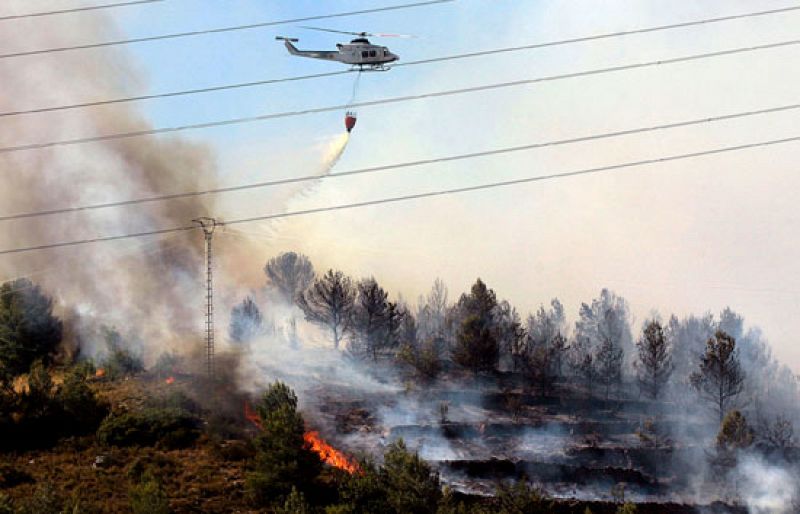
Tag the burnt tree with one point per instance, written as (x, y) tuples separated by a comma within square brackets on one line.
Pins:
[(654, 365), (720, 378), (608, 364), (291, 273), (329, 302), (246, 322), (370, 317), (377, 322)]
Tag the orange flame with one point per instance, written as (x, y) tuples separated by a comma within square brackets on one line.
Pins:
[(100, 372), (252, 416), (169, 380), (326, 452), (329, 454)]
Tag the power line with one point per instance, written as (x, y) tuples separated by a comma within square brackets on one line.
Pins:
[(392, 100), (409, 164), (171, 94), (608, 35), (416, 196), (77, 9), (481, 53), (218, 30)]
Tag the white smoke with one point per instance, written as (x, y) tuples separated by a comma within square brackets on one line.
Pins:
[(767, 488), (153, 286)]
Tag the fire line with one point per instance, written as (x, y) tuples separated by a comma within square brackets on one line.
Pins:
[(329, 454)]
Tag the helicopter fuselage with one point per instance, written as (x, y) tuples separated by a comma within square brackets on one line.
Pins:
[(359, 52)]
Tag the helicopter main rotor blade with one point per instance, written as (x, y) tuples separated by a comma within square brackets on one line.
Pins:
[(365, 34), (360, 34), (405, 36)]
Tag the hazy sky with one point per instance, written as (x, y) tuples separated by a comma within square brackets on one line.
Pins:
[(683, 237)]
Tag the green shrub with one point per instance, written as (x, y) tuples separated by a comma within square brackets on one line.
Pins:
[(405, 483), (424, 361), (410, 483), (45, 412), (283, 459), (28, 329), (82, 411), (233, 450), (521, 498), (155, 465), (148, 497), (364, 491), (176, 399), (449, 504), (169, 428), (294, 504), (627, 508)]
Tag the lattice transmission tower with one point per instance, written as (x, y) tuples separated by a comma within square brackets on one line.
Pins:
[(208, 225)]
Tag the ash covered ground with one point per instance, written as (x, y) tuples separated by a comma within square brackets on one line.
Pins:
[(571, 444)]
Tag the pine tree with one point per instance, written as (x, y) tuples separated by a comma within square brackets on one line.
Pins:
[(477, 346), (290, 273), (283, 459), (371, 318), (246, 322), (720, 378), (330, 302), (654, 365), (608, 364), (28, 329)]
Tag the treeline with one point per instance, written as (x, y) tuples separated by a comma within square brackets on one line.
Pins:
[(478, 334)]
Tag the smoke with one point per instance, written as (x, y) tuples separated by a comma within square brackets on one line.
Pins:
[(300, 354), (142, 284), (150, 286), (767, 488)]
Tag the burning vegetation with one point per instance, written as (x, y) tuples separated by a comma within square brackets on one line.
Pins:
[(334, 398), (328, 454)]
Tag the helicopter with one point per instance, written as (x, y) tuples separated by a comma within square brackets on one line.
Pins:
[(359, 53)]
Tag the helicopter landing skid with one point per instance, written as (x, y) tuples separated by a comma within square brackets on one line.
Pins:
[(370, 67)]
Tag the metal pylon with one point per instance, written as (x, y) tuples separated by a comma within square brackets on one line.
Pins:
[(208, 225)]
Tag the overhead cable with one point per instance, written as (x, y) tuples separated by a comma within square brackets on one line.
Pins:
[(415, 196), (218, 30), (76, 9), (482, 53), (409, 164), (392, 100)]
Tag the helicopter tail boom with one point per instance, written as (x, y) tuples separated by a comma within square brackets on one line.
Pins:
[(314, 54)]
